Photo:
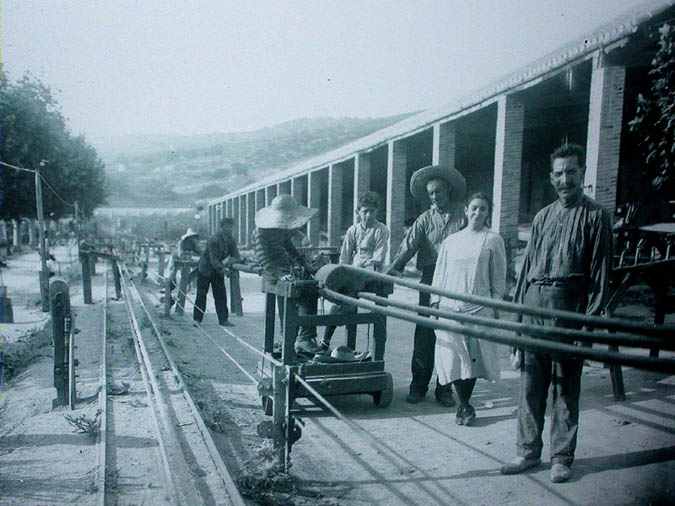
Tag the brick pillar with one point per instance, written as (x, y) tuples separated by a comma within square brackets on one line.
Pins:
[(270, 193), (335, 203), (243, 217), (314, 199), (299, 190), (250, 216), (507, 172), (397, 190), (361, 176), (443, 151), (32, 236), (605, 114), (235, 218), (15, 234)]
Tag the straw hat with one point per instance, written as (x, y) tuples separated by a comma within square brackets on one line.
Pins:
[(455, 180), (284, 212), (189, 233)]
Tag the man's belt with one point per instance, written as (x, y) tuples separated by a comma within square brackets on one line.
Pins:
[(559, 282)]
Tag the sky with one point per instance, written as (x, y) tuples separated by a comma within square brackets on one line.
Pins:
[(193, 67)]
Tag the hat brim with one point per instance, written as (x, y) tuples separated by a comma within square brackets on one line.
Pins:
[(268, 217), (454, 178), (189, 235)]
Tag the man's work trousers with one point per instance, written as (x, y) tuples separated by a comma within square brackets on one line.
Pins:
[(217, 283), (538, 372), (422, 363)]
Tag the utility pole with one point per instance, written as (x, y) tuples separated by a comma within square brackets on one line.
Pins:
[(44, 273)]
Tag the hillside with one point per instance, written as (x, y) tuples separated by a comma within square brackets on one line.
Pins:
[(168, 171)]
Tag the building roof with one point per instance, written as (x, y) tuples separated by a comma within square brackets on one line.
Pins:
[(605, 35)]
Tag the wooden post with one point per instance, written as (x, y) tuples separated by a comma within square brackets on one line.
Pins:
[(116, 277), (182, 288), (236, 306), (86, 277), (60, 312), (161, 262), (6, 312), (167, 296)]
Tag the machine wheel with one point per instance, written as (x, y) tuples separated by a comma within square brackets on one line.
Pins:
[(267, 404), (383, 398)]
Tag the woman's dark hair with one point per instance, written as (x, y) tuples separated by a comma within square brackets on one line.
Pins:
[(481, 196)]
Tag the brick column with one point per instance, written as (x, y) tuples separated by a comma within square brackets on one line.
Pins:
[(32, 239), (507, 172), (15, 233), (270, 193), (250, 216), (243, 218), (397, 189), (605, 114), (443, 151), (361, 176), (235, 218), (314, 199), (299, 190), (335, 203)]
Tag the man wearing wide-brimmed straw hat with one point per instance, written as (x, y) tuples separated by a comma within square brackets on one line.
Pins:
[(444, 188), (275, 227)]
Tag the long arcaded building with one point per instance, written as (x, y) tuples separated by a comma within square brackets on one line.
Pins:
[(500, 138)]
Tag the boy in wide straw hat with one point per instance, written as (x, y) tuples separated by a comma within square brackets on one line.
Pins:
[(276, 225), (444, 188)]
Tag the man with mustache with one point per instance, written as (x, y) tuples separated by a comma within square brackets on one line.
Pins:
[(566, 267)]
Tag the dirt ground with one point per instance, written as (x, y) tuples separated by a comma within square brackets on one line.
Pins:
[(626, 450)]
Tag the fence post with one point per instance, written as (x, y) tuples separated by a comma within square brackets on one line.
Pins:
[(59, 297), (160, 255), (116, 277), (167, 296), (182, 287), (6, 312), (236, 305), (86, 277)]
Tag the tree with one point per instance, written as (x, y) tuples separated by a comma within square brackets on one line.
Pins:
[(654, 120), (33, 130)]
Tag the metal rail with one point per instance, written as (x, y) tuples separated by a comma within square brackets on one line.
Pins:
[(101, 478), (614, 324), (534, 330), (664, 365), (229, 485)]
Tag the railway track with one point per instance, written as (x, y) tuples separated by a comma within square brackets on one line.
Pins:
[(154, 446)]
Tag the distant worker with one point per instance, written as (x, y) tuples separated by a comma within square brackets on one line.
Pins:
[(365, 245), (186, 250), (566, 267), (221, 251), (444, 187)]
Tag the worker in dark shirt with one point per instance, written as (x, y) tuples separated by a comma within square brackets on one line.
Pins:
[(220, 252)]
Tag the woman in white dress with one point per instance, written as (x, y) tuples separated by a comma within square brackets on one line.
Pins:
[(471, 261)]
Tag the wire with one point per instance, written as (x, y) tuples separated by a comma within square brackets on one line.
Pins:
[(54, 191), (15, 167)]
